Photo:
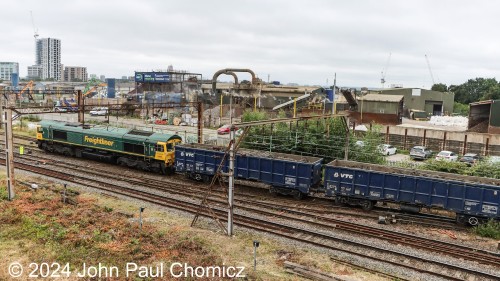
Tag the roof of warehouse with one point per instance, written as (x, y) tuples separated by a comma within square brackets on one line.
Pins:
[(380, 97)]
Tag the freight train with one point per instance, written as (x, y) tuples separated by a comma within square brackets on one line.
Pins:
[(473, 199), (141, 149)]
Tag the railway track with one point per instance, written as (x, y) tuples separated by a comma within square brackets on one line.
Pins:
[(392, 215), (305, 215), (243, 220)]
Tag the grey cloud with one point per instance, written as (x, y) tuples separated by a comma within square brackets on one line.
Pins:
[(294, 41)]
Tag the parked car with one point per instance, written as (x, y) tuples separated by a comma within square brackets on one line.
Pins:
[(238, 132), (447, 156), (420, 152), (225, 129), (493, 159), (60, 109), (99, 111), (387, 149), (360, 143), (470, 158)]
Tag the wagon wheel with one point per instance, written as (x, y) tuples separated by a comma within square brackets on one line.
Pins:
[(367, 205), (67, 152), (298, 195), (460, 219), (338, 201), (207, 178), (473, 221), (273, 192)]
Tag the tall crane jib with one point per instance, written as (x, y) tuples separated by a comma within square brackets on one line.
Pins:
[(384, 70), (35, 30), (430, 70)]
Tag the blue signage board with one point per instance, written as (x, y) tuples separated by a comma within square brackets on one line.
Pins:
[(152, 77)]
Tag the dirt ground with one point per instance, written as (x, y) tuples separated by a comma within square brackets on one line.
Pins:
[(38, 228)]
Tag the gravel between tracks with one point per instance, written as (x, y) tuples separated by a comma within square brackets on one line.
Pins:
[(370, 263)]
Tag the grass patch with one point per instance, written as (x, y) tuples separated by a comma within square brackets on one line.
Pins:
[(4, 195), (38, 227), (90, 233), (491, 229)]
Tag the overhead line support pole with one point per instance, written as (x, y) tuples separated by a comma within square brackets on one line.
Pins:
[(9, 153), (231, 184)]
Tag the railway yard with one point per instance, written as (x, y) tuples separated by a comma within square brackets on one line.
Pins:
[(430, 246)]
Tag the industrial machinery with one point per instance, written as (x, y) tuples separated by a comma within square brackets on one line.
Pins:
[(92, 85)]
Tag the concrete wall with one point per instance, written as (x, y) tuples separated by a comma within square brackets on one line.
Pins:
[(437, 140)]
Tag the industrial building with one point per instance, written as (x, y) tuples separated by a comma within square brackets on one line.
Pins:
[(7, 69), (377, 108), (484, 117), (47, 61), (380, 109), (432, 102), (75, 74)]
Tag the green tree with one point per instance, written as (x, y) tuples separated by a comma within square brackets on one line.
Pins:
[(325, 138), (440, 87), (475, 90), (461, 109)]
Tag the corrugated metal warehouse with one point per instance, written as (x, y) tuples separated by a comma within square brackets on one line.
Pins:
[(484, 117), (432, 102), (381, 109)]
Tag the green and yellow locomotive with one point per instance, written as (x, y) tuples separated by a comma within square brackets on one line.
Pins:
[(141, 149)]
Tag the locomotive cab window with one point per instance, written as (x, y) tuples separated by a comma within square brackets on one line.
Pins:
[(39, 129), (159, 148), (170, 147)]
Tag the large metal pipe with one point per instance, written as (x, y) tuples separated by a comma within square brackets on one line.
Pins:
[(234, 76), (230, 71)]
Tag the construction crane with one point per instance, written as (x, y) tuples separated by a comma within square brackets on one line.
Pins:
[(92, 85), (430, 71), (28, 87), (384, 70), (35, 30), (94, 88)]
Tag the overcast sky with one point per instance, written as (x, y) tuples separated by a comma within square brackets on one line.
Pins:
[(292, 41)]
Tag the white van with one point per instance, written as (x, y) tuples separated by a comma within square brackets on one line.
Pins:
[(99, 111)]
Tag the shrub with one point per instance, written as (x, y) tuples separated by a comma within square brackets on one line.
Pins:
[(490, 229), (445, 166)]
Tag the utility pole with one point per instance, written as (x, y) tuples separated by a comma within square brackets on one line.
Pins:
[(81, 107), (334, 86), (9, 152), (230, 197)]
